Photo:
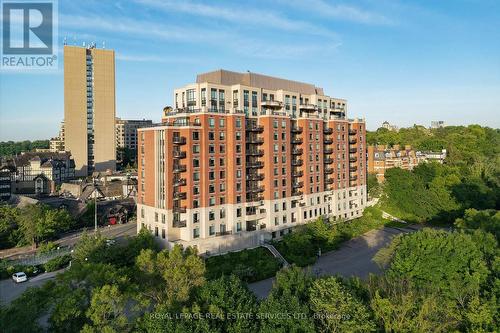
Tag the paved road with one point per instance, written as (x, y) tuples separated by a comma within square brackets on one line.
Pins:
[(354, 258), (114, 231), (9, 290)]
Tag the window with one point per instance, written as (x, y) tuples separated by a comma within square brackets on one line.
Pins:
[(211, 230), (196, 149), (196, 135), (221, 120), (211, 136), (211, 122), (196, 232), (238, 226), (238, 122), (211, 201), (203, 96)]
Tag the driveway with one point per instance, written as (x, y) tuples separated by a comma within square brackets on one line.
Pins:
[(9, 290), (353, 258)]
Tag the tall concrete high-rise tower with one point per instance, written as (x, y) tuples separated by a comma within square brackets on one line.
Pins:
[(89, 108)]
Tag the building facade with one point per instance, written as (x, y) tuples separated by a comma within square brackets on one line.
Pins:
[(56, 144), (244, 157), (38, 173), (126, 135), (381, 158), (89, 108)]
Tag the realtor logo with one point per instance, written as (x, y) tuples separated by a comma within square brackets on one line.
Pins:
[(29, 35)]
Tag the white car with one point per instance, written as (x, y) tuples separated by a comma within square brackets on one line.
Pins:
[(19, 277)]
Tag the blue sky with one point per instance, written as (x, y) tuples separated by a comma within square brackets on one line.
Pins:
[(402, 61)]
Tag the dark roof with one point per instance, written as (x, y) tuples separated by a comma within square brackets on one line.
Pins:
[(46, 158)]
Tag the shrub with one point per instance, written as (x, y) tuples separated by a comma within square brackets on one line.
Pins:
[(47, 247), (57, 263), (249, 265)]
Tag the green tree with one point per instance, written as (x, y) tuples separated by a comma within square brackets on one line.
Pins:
[(107, 311), (336, 310), (40, 222), (9, 234), (181, 272), (400, 307), (487, 220), (286, 308), (90, 248), (450, 263)]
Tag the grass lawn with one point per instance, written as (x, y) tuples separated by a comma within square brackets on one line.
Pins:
[(249, 265)]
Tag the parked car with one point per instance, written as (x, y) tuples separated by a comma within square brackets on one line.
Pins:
[(19, 277), (110, 242)]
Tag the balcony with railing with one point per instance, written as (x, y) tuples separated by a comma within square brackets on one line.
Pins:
[(180, 182), (353, 178), (255, 128), (329, 181), (297, 174), (297, 129), (255, 189), (297, 184), (296, 193), (257, 177), (327, 131), (297, 151), (328, 171), (256, 141), (328, 160), (353, 158), (179, 168), (271, 104), (328, 151), (179, 154), (353, 168), (297, 141), (180, 195), (297, 162), (254, 152), (327, 141), (307, 107), (179, 140), (179, 209), (353, 141), (176, 223), (353, 131), (353, 150), (255, 165)]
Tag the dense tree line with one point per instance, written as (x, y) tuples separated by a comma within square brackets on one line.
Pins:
[(469, 178), (10, 148), (32, 224), (435, 281)]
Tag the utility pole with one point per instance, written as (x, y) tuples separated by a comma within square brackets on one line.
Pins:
[(95, 207)]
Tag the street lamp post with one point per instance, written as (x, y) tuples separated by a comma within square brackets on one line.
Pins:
[(95, 207)]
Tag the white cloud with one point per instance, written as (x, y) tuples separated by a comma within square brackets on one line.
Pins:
[(239, 15), (341, 12)]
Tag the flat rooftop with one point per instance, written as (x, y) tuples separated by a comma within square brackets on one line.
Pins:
[(228, 78)]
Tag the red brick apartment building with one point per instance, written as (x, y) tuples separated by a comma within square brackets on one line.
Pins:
[(242, 158)]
